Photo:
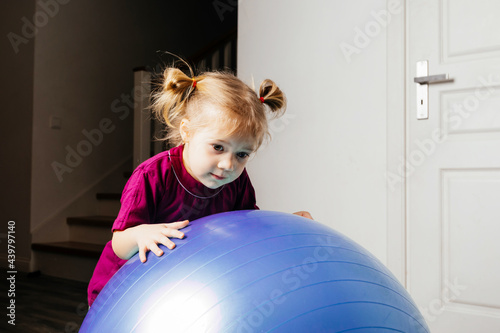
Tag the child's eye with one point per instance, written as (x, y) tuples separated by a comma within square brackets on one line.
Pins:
[(218, 147), (242, 155)]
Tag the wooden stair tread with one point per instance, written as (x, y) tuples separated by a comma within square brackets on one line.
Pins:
[(93, 221), (108, 196), (70, 248)]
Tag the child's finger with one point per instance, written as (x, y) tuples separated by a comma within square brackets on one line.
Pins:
[(177, 225), (142, 255), (304, 214), (167, 242), (156, 250), (173, 233)]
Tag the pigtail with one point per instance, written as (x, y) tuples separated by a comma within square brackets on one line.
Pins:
[(273, 97), (234, 107), (170, 99)]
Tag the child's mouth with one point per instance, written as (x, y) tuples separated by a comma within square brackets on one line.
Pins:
[(217, 177)]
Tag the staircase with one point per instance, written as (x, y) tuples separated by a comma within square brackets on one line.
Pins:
[(76, 258)]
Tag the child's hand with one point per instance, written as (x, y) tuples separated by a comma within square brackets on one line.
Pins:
[(304, 214), (148, 236)]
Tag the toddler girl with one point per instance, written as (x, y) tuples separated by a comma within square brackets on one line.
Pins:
[(216, 122)]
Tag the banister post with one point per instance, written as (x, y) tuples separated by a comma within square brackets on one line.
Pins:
[(142, 116)]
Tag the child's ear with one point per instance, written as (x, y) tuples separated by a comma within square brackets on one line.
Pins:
[(184, 129)]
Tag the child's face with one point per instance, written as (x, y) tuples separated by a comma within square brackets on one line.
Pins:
[(215, 159)]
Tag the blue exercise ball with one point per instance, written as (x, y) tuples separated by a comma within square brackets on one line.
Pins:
[(256, 271)]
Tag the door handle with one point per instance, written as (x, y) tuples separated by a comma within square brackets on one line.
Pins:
[(439, 78), (423, 79)]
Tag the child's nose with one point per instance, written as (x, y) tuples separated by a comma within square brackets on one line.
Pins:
[(226, 163)]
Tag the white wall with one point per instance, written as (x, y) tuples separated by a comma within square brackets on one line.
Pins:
[(328, 154)]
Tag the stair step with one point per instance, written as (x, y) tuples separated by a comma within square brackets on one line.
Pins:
[(92, 221), (91, 229), (108, 207), (108, 196), (70, 248)]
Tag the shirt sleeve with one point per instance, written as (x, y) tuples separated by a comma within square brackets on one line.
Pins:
[(246, 197), (139, 200)]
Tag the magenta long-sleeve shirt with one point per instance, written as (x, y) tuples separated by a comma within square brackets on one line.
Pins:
[(161, 191)]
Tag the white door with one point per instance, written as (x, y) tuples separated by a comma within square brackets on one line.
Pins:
[(453, 169)]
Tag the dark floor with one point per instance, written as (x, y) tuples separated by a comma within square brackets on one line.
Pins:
[(43, 304)]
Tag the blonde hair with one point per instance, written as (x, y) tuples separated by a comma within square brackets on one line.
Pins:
[(239, 109)]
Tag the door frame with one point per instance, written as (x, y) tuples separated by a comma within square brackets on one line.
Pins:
[(396, 121)]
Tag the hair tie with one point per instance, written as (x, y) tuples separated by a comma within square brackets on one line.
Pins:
[(262, 100), (194, 83)]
